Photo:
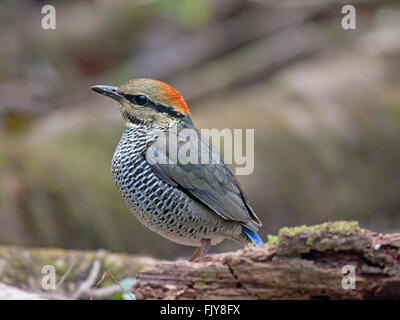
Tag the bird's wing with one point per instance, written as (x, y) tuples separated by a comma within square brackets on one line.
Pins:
[(212, 184)]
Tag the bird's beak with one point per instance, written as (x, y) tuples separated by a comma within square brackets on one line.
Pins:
[(108, 91)]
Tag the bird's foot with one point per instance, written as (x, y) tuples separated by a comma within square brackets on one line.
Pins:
[(201, 251)]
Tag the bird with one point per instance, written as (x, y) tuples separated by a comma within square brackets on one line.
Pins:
[(192, 204)]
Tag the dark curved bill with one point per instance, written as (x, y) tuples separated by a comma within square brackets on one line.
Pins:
[(109, 91)]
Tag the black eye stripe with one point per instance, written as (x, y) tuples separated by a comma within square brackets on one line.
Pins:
[(168, 110), (148, 103)]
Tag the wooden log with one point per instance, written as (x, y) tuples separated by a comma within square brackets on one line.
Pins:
[(300, 263)]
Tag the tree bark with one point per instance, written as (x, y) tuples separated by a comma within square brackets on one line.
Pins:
[(300, 263)]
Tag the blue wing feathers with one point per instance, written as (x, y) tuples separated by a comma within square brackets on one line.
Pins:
[(254, 237)]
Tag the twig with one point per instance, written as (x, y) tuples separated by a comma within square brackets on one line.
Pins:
[(65, 275), (85, 287), (122, 289), (97, 284)]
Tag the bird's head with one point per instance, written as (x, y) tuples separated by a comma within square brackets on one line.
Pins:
[(147, 101)]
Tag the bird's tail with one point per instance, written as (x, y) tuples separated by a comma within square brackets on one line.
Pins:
[(254, 237)]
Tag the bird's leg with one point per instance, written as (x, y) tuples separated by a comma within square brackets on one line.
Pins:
[(195, 254), (205, 246), (201, 251)]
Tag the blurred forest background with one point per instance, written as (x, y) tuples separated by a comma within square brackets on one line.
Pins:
[(324, 102)]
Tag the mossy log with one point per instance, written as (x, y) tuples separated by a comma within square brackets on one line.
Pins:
[(300, 263), (77, 273)]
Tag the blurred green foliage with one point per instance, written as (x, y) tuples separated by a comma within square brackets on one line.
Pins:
[(189, 13)]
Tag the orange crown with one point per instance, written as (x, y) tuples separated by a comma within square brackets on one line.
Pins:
[(174, 97)]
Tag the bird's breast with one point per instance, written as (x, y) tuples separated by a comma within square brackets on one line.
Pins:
[(160, 206)]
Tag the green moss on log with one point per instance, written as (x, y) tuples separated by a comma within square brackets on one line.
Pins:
[(340, 227), (335, 235)]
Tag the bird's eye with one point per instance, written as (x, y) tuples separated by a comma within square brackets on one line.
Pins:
[(141, 100)]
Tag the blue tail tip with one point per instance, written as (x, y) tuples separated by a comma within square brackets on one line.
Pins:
[(254, 237)]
